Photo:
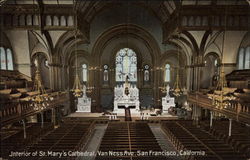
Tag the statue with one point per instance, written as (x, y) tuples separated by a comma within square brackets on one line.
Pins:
[(105, 77), (167, 89), (146, 76), (84, 90), (126, 85)]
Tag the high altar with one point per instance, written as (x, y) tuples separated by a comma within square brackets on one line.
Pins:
[(128, 96), (84, 102), (167, 101)]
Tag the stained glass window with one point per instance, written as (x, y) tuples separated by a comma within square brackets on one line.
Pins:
[(244, 58), (126, 65), (247, 58), (146, 73), (216, 62), (9, 60), (241, 59), (105, 73), (46, 63), (6, 59), (3, 58)]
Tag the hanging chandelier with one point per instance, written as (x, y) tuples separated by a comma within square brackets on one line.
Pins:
[(177, 91), (42, 100), (222, 96), (89, 89), (77, 87), (163, 88), (77, 91)]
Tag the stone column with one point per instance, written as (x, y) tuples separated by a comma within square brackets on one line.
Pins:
[(24, 129), (157, 84), (94, 81), (55, 76), (211, 119), (53, 116), (65, 77), (230, 127), (42, 120), (189, 79)]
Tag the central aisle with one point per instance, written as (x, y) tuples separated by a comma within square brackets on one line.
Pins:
[(162, 139), (129, 141), (95, 140)]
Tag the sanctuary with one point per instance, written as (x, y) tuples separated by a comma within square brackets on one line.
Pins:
[(125, 79)]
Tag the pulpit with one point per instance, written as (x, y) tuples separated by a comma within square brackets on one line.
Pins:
[(167, 101), (84, 102)]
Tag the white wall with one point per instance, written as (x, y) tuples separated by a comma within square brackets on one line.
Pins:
[(20, 46)]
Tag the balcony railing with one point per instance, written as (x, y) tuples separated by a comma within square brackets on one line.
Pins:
[(17, 110), (235, 109)]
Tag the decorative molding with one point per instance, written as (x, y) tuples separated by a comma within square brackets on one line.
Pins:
[(228, 64), (55, 65)]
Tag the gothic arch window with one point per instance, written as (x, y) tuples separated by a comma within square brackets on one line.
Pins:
[(84, 72), (184, 21), (46, 63), (3, 58), (146, 73), (9, 59), (29, 20), (244, 58), (55, 21), (247, 58), (6, 59), (105, 73), (22, 20), (62, 21), (216, 62), (70, 21), (48, 20), (35, 20), (126, 65), (167, 73)]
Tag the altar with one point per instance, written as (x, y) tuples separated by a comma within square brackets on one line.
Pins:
[(167, 101), (126, 96), (84, 102)]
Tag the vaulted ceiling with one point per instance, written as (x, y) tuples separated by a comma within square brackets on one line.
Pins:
[(162, 9)]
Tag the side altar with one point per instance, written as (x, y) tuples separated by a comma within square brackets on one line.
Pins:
[(167, 101), (84, 102), (127, 96)]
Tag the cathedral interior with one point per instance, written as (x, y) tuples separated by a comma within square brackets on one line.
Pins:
[(125, 79)]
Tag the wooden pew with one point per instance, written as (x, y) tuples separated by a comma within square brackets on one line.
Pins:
[(68, 137), (16, 142), (129, 137), (184, 135), (240, 135)]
